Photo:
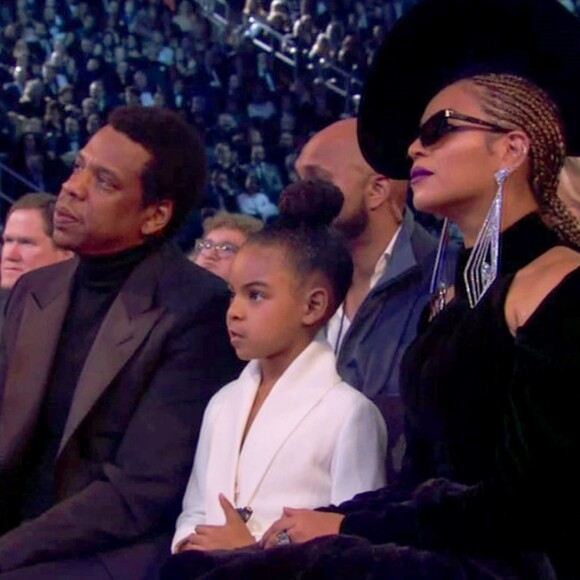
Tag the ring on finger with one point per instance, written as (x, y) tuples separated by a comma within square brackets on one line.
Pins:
[(283, 538)]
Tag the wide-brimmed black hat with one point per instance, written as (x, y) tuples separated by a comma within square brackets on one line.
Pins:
[(438, 41)]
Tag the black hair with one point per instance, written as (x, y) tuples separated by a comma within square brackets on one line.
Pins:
[(177, 170), (304, 230)]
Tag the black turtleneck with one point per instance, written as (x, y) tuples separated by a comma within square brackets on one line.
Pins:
[(97, 283)]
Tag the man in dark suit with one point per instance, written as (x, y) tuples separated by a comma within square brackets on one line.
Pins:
[(108, 361)]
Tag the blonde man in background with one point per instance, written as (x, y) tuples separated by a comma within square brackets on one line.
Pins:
[(223, 235)]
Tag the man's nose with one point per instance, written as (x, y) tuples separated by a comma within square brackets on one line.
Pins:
[(77, 184)]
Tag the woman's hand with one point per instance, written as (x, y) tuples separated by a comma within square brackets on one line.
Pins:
[(233, 534), (302, 525)]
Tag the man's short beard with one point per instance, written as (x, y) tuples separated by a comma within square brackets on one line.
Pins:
[(353, 226)]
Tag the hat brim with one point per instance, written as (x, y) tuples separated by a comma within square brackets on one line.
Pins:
[(439, 41)]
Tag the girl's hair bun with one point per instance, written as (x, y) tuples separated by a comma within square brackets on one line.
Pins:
[(311, 202)]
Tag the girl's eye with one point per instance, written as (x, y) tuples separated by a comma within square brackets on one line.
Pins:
[(256, 296)]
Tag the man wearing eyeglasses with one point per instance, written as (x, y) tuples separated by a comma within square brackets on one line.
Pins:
[(393, 258), (224, 235)]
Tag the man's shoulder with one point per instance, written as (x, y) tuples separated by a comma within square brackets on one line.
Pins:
[(182, 283), (38, 280), (421, 239)]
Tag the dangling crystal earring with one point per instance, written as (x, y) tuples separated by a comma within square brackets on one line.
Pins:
[(438, 286), (483, 264)]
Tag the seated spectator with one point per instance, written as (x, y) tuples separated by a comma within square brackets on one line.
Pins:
[(267, 174), (225, 128), (226, 160), (335, 34), (186, 18), (50, 80), (29, 161), (93, 124), (102, 99), (254, 8), (71, 141), (13, 91), (261, 106), (222, 194), (304, 31), (66, 95), (27, 241), (223, 235), (89, 106), (255, 202), (31, 103), (321, 49), (142, 85), (288, 430), (132, 96)]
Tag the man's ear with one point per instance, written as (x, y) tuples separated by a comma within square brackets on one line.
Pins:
[(382, 192), (516, 148), (158, 215), (377, 191), (316, 305)]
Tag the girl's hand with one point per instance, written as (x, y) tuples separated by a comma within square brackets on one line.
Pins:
[(233, 534)]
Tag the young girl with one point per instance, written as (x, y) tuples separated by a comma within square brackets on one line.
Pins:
[(288, 432)]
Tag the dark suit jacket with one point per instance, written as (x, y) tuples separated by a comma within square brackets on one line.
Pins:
[(127, 449)]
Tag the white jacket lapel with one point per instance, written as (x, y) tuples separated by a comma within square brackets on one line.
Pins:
[(230, 421), (295, 394)]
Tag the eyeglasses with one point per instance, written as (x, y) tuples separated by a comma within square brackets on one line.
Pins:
[(438, 126), (223, 249)]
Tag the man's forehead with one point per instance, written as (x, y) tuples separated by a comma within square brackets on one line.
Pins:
[(115, 150), (25, 221)]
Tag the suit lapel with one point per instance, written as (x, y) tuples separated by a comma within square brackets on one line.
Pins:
[(116, 341), (296, 393), (31, 360), (127, 323), (228, 429)]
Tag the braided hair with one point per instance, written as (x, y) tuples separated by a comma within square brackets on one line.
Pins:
[(514, 102)]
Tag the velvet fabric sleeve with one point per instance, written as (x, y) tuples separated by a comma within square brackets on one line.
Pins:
[(530, 501)]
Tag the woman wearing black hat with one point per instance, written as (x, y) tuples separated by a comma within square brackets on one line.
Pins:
[(488, 488)]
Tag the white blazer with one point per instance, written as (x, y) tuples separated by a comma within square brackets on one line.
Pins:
[(315, 441)]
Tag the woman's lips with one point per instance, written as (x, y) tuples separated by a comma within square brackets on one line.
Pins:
[(418, 174)]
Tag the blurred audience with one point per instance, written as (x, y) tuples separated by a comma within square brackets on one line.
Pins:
[(65, 65)]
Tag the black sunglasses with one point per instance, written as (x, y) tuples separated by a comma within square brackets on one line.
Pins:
[(438, 126)]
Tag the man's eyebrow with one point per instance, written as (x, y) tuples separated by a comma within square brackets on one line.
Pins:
[(19, 239), (100, 170), (106, 172)]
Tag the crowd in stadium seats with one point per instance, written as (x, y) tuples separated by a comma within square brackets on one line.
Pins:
[(65, 64)]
